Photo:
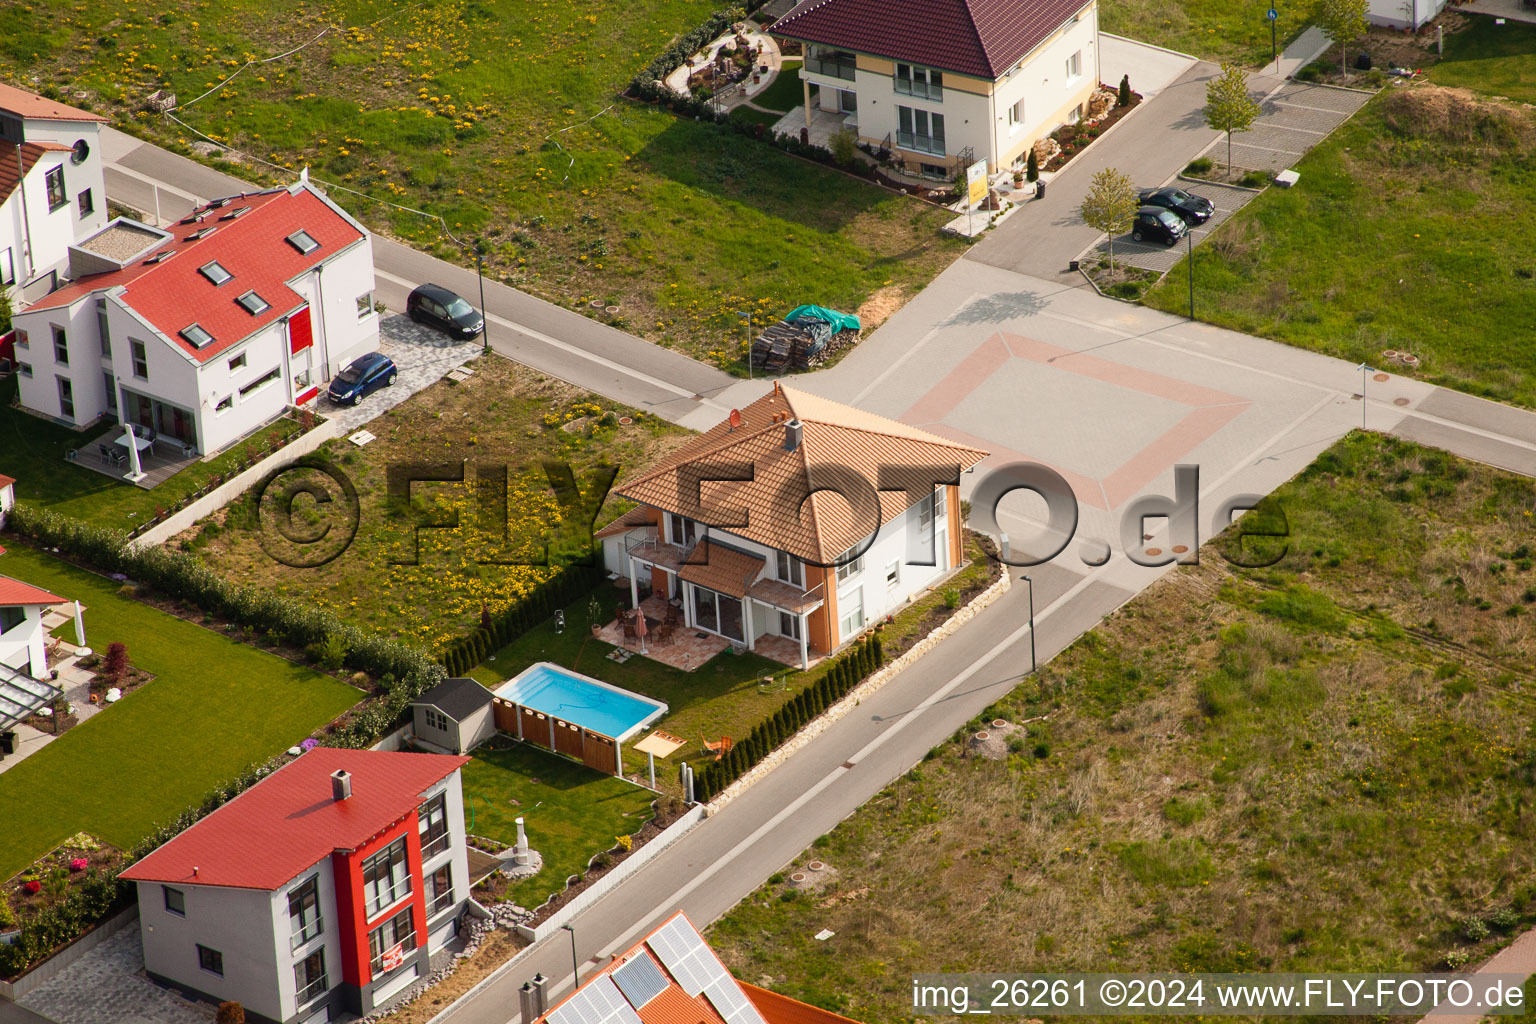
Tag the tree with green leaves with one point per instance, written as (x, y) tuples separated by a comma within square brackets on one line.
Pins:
[(1110, 205), (1341, 21), (1228, 105), (1124, 99), (1032, 166)]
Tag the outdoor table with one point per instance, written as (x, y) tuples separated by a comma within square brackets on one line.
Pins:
[(141, 443)]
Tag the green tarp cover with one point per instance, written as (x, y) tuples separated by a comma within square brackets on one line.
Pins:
[(841, 321)]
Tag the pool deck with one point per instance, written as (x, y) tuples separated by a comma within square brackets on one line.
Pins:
[(509, 691), (688, 649)]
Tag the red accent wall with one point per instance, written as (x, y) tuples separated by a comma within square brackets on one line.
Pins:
[(306, 396), (353, 923), (300, 333)]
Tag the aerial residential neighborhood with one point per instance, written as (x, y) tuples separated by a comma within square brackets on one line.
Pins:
[(821, 512)]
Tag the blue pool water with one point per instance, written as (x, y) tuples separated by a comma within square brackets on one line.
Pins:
[(586, 702)]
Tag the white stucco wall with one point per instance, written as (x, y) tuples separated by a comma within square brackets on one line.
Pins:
[(896, 541), (24, 646), (51, 233)]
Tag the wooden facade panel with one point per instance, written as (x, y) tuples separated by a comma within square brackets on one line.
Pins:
[(952, 512), (821, 623)]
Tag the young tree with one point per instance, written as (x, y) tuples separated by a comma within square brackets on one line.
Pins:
[(1032, 166), (1124, 99), (1228, 106), (844, 145), (116, 662), (1341, 21), (1110, 205)]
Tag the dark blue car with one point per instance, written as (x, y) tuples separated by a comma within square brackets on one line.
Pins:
[(363, 376)]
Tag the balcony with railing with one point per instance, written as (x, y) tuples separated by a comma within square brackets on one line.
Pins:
[(314, 990), (921, 88), (304, 931), (831, 63), (933, 144), (647, 545), (432, 847)]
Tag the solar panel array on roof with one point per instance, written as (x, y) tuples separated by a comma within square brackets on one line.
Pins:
[(731, 1002), (639, 979), (597, 1002), (697, 970)]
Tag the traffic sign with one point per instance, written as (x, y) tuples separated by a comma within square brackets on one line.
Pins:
[(1272, 14)]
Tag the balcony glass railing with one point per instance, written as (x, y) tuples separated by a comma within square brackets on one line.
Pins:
[(831, 67), (430, 849), (442, 901), (920, 89), (314, 990), (312, 929), (920, 143)]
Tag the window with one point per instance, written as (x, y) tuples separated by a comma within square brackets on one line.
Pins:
[(920, 130), (253, 304), (1075, 66), (140, 360), (86, 203), (175, 900), (820, 60), (103, 331), (237, 363), (364, 304), (303, 241), (309, 977), (7, 267), (54, 181), (851, 567), (684, 531), (436, 719), (300, 380), (22, 340), (60, 346), (397, 931), (789, 569), (210, 960), (304, 921), (262, 381), (1077, 113), (440, 889), (79, 151), (432, 822), (385, 877), (853, 614), (25, 369), (196, 336), (214, 271), (225, 404), (1016, 114), (66, 398), (912, 80), (111, 389), (893, 575), (789, 625), (718, 614), (201, 232), (925, 515), (236, 214), (10, 618)]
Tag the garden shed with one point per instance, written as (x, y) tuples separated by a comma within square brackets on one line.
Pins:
[(455, 715)]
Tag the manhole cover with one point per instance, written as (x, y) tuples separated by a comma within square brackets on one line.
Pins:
[(1382, 377), (1154, 552), (1399, 401), (1180, 549)]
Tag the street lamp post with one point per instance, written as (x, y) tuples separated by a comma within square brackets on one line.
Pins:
[(575, 970), (1033, 663), (484, 319), (747, 316), (1364, 370), (1190, 235)]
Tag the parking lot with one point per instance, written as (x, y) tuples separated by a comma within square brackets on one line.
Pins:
[(1156, 256)]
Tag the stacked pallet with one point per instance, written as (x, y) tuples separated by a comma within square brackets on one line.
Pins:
[(798, 346)]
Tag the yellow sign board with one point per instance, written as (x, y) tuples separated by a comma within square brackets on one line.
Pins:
[(976, 182)]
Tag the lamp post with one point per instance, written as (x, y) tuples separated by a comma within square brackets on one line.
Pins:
[(480, 271), (1190, 235), (747, 316), (1364, 369), (575, 970), (1033, 663)]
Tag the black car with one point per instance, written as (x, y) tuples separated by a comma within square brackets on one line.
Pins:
[(436, 306), (1157, 224), (363, 376), (1192, 208)]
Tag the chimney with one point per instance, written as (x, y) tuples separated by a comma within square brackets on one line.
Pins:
[(792, 434), (525, 1003), (341, 784), (540, 994)]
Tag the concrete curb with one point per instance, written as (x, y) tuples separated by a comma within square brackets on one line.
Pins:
[(851, 700)]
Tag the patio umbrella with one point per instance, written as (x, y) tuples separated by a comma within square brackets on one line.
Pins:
[(133, 454), (640, 629)]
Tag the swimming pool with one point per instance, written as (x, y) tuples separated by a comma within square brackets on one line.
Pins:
[(581, 700)]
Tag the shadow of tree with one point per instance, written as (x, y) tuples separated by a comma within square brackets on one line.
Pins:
[(996, 309)]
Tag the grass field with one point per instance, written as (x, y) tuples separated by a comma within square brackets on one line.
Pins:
[(785, 92), (1219, 30), (503, 416), (504, 118), (569, 811), (1409, 231), (1322, 765), (214, 708), (1499, 60)]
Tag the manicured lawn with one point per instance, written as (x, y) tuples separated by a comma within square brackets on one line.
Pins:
[(32, 450), (1409, 230), (786, 92), (1234, 30), (504, 118), (570, 812), (214, 708), (503, 416), (1319, 766), (1499, 60)]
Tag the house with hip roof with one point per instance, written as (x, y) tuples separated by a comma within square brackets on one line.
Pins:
[(942, 83), (322, 889), (798, 517), (208, 329), (671, 976), (52, 193)]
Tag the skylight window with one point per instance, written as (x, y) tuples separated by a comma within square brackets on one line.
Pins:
[(161, 257), (236, 214), (253, 304), (194, 218), (202, 233), (303, 241), (196, 336), (218, 203), (215, 272)]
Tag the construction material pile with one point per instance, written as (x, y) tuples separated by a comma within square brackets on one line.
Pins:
[(804, 338)]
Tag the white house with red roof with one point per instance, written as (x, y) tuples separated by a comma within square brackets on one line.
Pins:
[(25, 683), (208, 329), (52, 193), (322, 889), (935, 81)]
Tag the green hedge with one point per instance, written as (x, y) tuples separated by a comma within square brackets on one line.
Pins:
[(847, 672), (566, 585)]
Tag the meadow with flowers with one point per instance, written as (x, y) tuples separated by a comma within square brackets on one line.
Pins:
[(504, 119), (503, 416), (1323, 765)]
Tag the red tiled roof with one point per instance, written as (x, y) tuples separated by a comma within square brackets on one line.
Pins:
[(637, 516), (288, 821), (984, 38), (6, 481), (14, 592), (11, 173), (172, 295), (30, 104), (721, 569), (821, 528), (779, 1009)]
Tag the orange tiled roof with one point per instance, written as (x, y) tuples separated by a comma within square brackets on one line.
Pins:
[(637, 516), (777, 1009), (783, 508), (30, 104), (720, 568), (16, 162)]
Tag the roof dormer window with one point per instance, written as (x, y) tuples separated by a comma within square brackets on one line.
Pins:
[(253, 304), (216, 273), (303, 241), (196, 336)]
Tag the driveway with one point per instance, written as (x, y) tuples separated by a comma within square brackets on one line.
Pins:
[(424, 357), (1151, 69), (1291, 121), (108, 986)]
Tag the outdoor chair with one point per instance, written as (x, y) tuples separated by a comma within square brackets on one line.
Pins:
[(105, 454), (718, 749), (629, 629), (664, 633)]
